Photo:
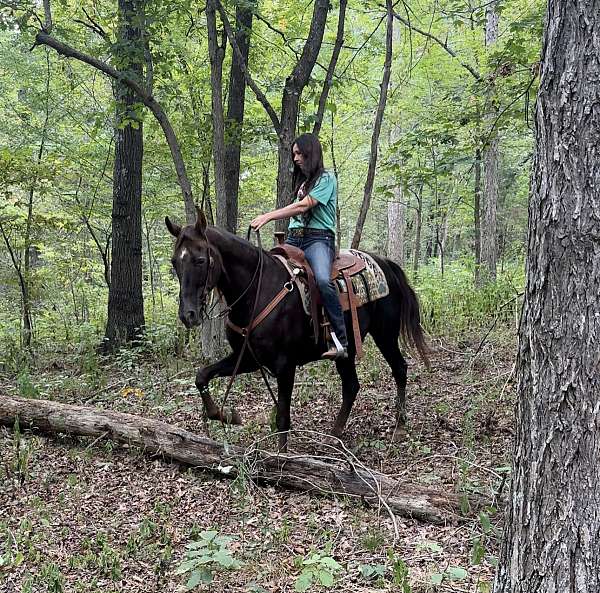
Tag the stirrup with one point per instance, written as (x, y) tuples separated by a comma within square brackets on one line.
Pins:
[(334, 354), (336, 351)]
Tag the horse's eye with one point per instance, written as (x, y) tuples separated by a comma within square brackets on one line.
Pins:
[(199, 261)]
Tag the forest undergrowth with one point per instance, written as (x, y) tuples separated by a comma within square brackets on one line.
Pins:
[(88, 515)]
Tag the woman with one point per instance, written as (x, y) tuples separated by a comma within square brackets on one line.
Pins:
[(312, 228)]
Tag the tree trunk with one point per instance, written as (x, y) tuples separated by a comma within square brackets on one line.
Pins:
[(289, 471), (489, 248), (217, 53), (285, 164), (294, 85), (335, 54), (418, 227), (138, 88), (387, 67), (235, 114), (552, 531), (125, 299), (290, 104), (477, 217), (396, 224)]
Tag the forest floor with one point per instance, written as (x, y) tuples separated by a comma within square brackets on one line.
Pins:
[(84, 515)]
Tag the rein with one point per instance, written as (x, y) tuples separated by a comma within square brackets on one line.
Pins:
[(251, 325)]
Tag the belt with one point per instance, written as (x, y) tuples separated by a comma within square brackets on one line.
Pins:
[(308, 232)]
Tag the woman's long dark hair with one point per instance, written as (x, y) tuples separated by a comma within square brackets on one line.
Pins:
[(310, 148)]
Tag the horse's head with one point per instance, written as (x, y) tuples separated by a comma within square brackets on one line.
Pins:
[(198, 267)]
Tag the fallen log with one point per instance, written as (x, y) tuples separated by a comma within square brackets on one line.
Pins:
[(345, 476)]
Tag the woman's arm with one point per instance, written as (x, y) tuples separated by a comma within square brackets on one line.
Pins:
[(304, 205)]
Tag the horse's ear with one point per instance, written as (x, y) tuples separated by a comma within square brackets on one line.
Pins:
[(174, 229), (200, 221)]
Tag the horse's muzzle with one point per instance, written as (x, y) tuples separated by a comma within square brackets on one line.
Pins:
[(190, 318)]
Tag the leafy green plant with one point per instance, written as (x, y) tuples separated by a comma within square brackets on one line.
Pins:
[(371, 572), (452, 573), (319, 568), (400, 574), (372, 540), (205, 557), (52, 577), (22, 451), (453, 304), (25, 384)]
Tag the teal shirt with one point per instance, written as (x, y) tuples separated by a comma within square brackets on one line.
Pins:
[(323, 215)]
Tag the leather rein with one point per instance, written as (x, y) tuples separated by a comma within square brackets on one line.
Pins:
[(255, 320)]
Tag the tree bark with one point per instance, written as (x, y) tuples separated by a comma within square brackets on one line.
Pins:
[(477, 216), (339, 41), (235, 113), (43, 38), (418, 229), (387, 67), (125, 298), (396, 225), (285, 126), (344, 476), (290, 105), (217, 53), (552, 531), (489, 247)]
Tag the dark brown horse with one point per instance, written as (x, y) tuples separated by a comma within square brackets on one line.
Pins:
[(206, 258)]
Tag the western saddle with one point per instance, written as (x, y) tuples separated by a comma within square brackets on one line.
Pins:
[(345, 265)]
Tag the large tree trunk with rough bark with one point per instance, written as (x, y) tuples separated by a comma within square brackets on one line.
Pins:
[(552, 535), (489, 247), (300, 472), (235, 114), (125, 300)]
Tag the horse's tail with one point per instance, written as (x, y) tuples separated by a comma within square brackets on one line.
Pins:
[(410, 315)]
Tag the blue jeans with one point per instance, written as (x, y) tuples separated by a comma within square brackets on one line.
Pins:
[(319, 252)]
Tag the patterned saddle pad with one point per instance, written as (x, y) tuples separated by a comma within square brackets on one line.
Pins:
[(369, 284)]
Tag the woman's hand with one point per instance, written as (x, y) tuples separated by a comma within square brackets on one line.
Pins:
[(260, 221)]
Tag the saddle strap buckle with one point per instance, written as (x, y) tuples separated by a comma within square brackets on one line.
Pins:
[(289, 286)]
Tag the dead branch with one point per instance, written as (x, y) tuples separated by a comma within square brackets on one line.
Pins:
[(299, 472)]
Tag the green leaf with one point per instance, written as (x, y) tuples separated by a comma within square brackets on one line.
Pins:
[(437, 578), (186, 566), (431, 546), (478, 551), (330, 563), (303, 582), (199, 576), (370, 571), (326, 578), (486, 524), (457, 573)]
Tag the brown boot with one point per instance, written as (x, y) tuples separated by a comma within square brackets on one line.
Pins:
[(337, 350), (334, 354)]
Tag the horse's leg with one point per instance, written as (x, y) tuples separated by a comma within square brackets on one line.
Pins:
[(388, 344), (350, 386), (285, 386), (222, 368)]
